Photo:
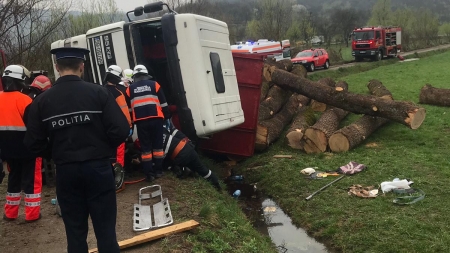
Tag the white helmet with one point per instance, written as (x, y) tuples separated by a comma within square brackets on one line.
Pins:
[(115, 70), (128, 74), (15, 71), (140, 69)]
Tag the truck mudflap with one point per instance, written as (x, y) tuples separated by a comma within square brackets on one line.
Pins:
[(170, 44)]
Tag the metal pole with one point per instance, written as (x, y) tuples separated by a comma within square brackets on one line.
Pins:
[(323, 188)]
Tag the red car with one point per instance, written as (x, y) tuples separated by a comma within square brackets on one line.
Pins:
[(312, 59)]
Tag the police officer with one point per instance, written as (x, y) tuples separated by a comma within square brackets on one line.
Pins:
[(180, 151), (24, 167), (84, 125), (111, 81), (149, 111)]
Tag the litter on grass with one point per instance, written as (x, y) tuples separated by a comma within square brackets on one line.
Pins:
[(363, 191)]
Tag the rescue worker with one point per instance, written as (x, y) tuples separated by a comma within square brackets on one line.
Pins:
[(127, 78), (40, 84), (111, 81), (179, 151), (24, 168), (149, 111), (85, 126)]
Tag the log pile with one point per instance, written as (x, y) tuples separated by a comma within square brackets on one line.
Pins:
[(290, 100)]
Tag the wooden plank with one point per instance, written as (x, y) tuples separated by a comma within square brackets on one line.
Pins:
[(282, 156), (156, 234)]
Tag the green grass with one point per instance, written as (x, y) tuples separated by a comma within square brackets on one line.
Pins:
[(350, 224), (369, 65), (224, 227)]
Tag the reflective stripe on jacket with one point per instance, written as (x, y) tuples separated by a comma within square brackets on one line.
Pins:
[(12, 126), (147, 100), (121, 101), (13, 106)]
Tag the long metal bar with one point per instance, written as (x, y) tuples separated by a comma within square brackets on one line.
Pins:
[(323, 188)]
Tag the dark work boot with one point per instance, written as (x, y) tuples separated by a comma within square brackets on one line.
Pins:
[(214, 181), (150, 178)]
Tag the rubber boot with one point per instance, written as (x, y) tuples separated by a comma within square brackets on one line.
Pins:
[(214, 181)]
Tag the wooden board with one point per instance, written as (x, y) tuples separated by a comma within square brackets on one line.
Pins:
[(156, 234), (282, 156)]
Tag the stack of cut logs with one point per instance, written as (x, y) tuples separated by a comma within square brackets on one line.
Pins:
[(288, 97)]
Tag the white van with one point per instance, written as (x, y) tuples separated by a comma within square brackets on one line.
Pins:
[(188, 55)]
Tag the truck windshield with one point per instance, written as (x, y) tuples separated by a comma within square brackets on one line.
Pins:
[(304, 54), (363, 35)]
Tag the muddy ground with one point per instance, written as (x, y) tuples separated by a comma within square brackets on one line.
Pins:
[(48, 234)]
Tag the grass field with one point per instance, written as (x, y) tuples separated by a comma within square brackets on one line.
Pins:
[(350, 224)]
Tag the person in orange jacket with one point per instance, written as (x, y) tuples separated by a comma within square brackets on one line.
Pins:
[(111, 81), (24, 168)]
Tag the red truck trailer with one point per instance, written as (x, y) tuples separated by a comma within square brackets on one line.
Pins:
[(376, 42)]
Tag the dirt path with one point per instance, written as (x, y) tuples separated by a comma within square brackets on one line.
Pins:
[(48, 234), (335, 67)]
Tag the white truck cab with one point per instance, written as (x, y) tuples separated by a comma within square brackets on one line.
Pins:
[(188, 55)]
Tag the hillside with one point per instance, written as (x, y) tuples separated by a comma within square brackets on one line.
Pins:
[(440, 7)]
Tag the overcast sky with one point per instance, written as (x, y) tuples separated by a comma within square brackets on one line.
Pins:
[(129, 5)]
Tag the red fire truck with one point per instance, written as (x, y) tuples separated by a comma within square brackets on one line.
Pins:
[(376, 42)]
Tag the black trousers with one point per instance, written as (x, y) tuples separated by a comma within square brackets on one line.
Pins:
[(189, 158), (87, 189), (150, 133)]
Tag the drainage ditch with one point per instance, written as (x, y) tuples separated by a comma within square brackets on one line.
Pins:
[(269, 219)]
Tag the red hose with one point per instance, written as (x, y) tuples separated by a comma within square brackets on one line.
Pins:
[(129, 182)]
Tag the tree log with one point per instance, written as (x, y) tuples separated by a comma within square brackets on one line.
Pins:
[(319, 133), (299, 70), (377, 89), (319, 106), (434, 96), (402, 112), (285, 64), (303, 119), (268, 131), (276, 98), (270, 64), (264, 90), (354, 134)]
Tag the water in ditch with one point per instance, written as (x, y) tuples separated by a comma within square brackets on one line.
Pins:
[(268, 218)]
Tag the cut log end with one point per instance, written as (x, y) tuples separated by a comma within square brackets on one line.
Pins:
[(374, 108), (339, 89), (416, 119), (339, 143), (318, 138), (294, 139)]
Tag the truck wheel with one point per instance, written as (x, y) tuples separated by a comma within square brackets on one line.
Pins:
[(312, 67), (379, 56), (327, 65)]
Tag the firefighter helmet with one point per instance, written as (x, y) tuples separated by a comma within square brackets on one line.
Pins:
[(15, 71), (128, 74), (42, 83), (115, 70), (113, 75), (140, 69)]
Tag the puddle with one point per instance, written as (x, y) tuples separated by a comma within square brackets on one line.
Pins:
[(269, 219)]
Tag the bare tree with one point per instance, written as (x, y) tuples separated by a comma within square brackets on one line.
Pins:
[(26, 24), (345, 20), (272, 19)]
